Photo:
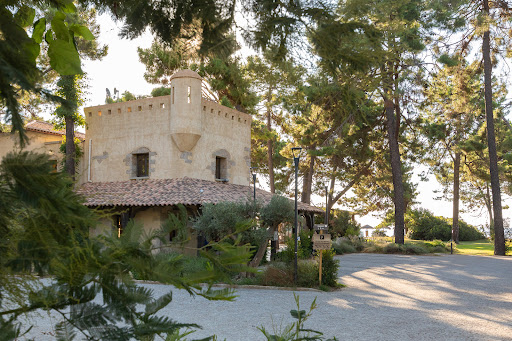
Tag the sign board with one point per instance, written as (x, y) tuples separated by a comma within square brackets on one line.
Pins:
[(321, 241), (321, 227)]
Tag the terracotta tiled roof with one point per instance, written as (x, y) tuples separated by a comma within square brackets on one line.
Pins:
[(166, 192), (45, 127)]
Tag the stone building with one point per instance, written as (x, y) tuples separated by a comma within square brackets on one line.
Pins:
[(143, 157), (181, 135), (42, 138)]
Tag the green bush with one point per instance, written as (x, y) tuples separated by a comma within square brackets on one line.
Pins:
[(341, 225), (414, 249), (423, 225), (305, 244), (342, 246), (330, 268), (277, 274), (307, 273), (435, 246), (357, 242), (379, 232), (281, 274), (304, 248), (408, 249), (375, 248), (469, 232)]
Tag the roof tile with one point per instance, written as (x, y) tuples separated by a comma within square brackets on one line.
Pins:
[(46, 127), (167, 192)]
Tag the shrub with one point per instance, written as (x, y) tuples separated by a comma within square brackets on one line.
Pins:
[(304, 248), (392, 248), (341, 225), (342, 246), (374, 248), (438, 249), (408, 249), (330, 268), (357, 242), (281, 274), (414, 249), (423, 225), (277, 274), (307, 273), (435, 246), (469, 232), (379, 232)]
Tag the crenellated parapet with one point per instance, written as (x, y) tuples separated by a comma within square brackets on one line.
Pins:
[(182, 130)]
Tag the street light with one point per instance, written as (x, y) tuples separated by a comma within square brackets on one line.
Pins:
[(296, 156), (253, 172), (326, 205)]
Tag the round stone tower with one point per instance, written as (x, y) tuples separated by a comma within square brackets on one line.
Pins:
[(186, 115)]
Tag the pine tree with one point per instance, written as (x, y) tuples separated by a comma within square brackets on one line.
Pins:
[(454, 113)]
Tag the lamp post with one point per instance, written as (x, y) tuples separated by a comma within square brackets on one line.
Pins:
[(253, 172), (296, 156), (326, 205)]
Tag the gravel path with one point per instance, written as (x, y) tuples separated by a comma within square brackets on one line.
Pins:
[(388, 297)]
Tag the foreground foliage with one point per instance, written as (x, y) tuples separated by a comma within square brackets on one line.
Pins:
[(295, 330), (244, 223), (45, 229)]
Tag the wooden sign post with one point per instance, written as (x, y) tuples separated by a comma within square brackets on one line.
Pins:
[(321, 242)]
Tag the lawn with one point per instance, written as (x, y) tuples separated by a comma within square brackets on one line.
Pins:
[(482, 247)]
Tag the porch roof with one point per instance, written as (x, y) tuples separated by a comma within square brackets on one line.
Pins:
[(168, 192)]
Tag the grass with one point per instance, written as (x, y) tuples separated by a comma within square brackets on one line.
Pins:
[(482, 247)]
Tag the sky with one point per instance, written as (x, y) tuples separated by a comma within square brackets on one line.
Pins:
[(121, 69)]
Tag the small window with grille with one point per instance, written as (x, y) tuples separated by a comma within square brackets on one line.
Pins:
[(142, 165)]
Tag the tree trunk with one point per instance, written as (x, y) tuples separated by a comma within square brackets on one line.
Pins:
[(499, 234), (489, 210), (256, 260), (307, 181), (455, 227), (396, 168), (70, 146), (332, 201), (270, 152)]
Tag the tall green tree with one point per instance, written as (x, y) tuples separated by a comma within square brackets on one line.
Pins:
[(71, 89), (382, 39), (488, 23), (272, 81), (501, 10), (220, 68), (453, 112)]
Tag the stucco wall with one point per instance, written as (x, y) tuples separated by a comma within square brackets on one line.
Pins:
[(121, 129), (39, 142), (151, 219)]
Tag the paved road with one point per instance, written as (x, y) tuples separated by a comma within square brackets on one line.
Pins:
[(388, 297)]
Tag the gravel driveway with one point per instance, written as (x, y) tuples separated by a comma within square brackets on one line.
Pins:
[(388, 297)]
